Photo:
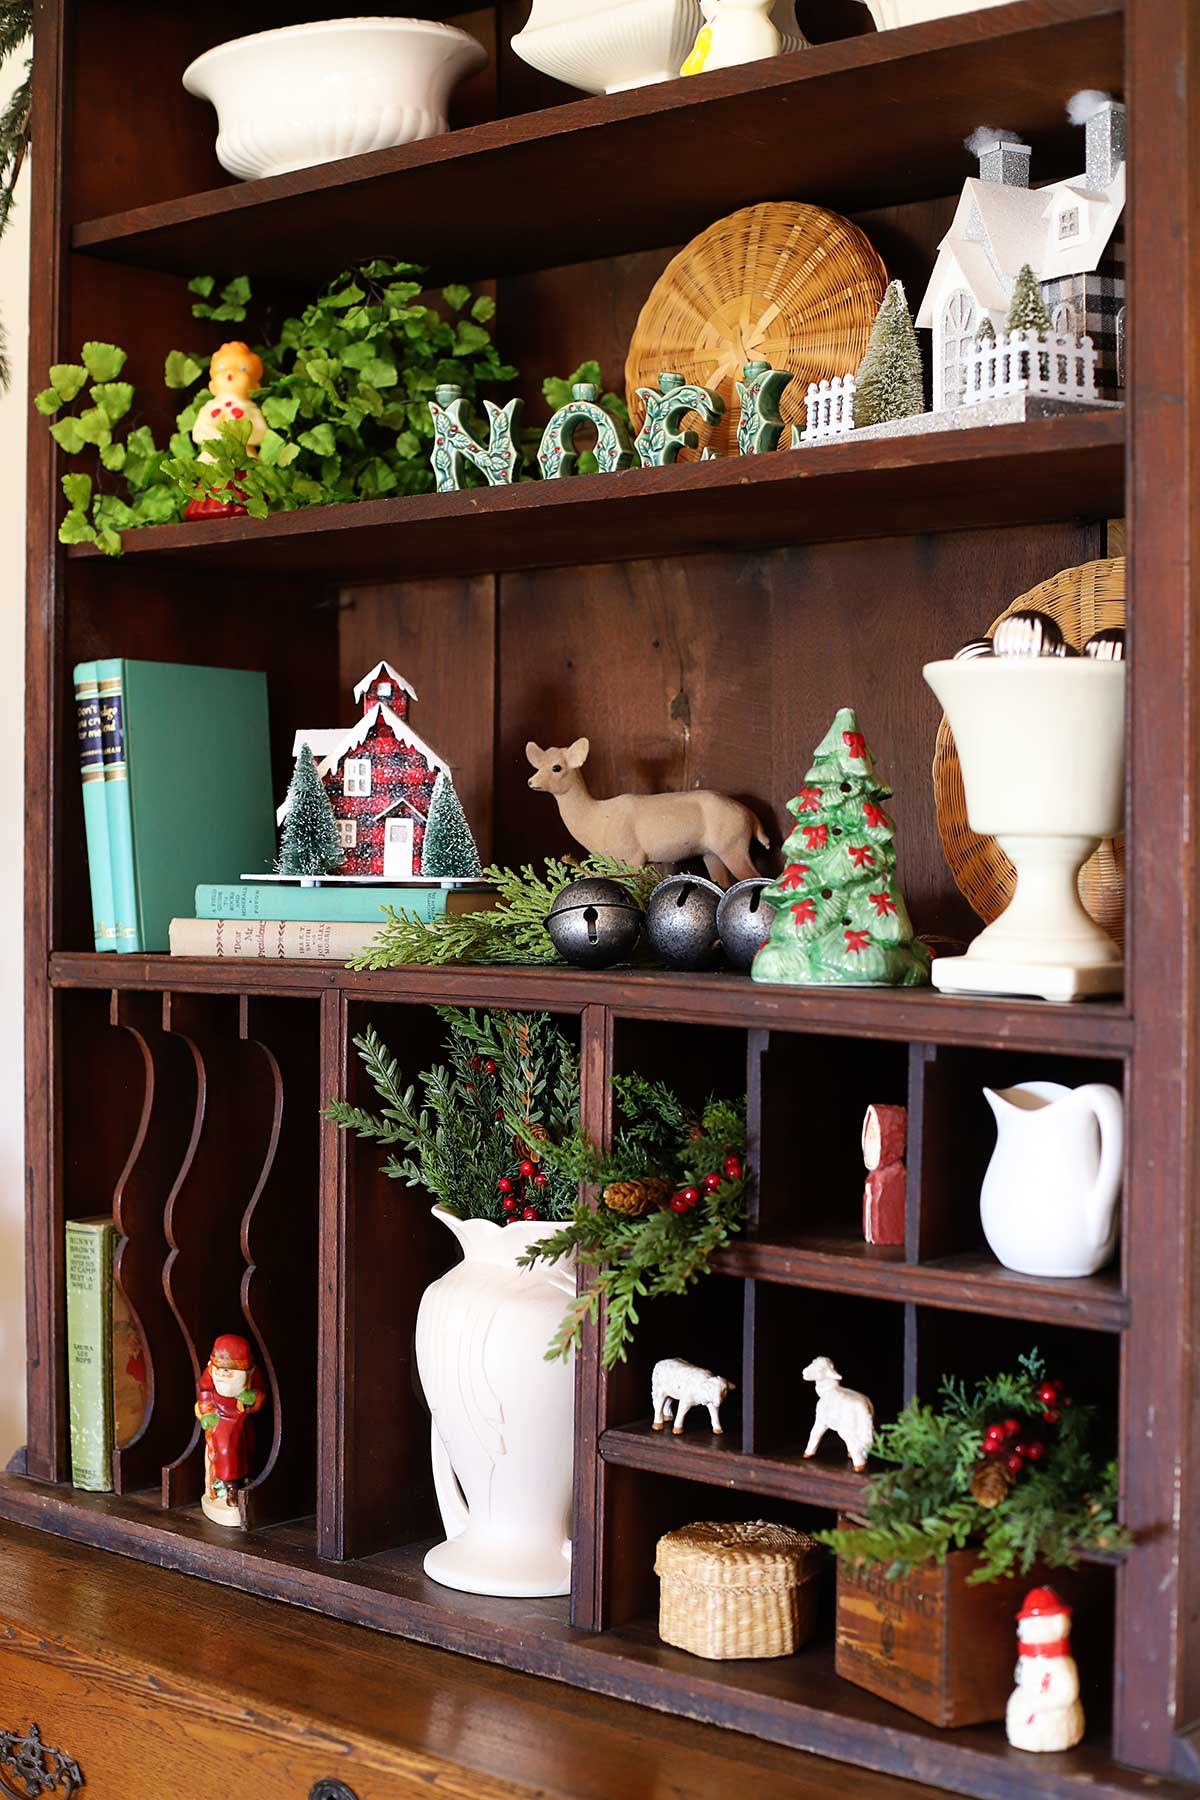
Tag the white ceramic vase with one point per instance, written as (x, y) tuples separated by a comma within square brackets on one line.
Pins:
[(315, 93), (1049, 1198), (1041, 743), (503, 1417), (608, 47)]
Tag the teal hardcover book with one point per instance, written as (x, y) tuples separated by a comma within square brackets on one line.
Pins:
[(341, 905), (95, 812), (187, 785)]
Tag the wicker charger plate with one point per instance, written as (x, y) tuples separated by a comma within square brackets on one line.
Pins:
[(791, 285), (1081, 601)]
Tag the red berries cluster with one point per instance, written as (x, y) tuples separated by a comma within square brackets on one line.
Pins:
[(1053, 1397), (515, 1196), (1005, 1441), (687, 1197)]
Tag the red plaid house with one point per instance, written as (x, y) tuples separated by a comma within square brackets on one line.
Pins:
[(379, 776)]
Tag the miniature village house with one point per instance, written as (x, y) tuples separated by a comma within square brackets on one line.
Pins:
[(1070, 235), (379, 776)]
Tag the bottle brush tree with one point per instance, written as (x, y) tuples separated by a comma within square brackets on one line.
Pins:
[(839, 914), (310, 841), (889, 383), (1027, 310), (449, 847)]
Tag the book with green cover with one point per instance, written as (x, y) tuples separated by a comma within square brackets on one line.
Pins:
[(335, 905), (89, 1253), (187, 784), (95, 813)]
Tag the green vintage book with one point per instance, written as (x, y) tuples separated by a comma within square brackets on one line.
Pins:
[(187, 784), (95, 813), (89, 1350)]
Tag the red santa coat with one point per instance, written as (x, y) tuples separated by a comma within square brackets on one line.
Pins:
[(230, 1438)]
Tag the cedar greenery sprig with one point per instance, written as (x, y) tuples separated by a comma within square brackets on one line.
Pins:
[(663, 1252), (513, 931), (507, 1091), (926, 1506)]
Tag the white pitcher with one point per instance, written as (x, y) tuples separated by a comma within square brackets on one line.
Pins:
[(1050, 1196), (503, 1417)]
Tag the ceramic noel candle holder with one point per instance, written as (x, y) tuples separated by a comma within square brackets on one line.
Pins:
[(1041, 741)]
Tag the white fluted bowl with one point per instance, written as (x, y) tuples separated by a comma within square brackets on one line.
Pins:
[(606, 46), (316, 93)]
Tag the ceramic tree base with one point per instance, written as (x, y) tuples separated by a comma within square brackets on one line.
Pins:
[(1041, 981)]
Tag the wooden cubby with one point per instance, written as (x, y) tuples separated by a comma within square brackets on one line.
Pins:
[(701, 624)]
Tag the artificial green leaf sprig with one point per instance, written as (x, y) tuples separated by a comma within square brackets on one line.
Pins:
[(513, 931), (506, 1094), (1052, 1506), (701, 1161)]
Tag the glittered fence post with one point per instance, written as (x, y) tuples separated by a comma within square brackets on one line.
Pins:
[(760, 426), (454, 447), (660, 440), (556, 452)]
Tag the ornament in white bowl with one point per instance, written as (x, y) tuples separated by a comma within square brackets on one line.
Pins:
[(1044, 1710), (315, 93), (621, 44)]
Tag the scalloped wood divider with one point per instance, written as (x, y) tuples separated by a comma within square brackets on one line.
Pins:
[(155, 1159), (279, 1244), (231, 1127)]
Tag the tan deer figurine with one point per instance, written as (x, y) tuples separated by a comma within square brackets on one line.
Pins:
[(648, 828)]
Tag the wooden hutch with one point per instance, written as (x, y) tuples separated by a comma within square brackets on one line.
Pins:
[(701, 624)]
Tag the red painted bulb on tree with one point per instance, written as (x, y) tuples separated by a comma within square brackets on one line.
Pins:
[(505, 1185), (527, 1170), (541, 1180), (733, 1167), (711, 1183), (1014, 1463), (531, 1212)]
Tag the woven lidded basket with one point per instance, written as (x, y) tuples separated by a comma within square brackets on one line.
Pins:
[(737, 1590), (1081, 600), (783, 283)]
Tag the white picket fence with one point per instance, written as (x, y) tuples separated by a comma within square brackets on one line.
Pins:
[(1021, 362), (829, 409)]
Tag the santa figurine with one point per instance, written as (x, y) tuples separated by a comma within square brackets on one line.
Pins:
[(233, 374), (228, 1394), (1044, 1711)]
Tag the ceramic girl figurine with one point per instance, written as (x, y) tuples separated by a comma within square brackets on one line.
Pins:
[(734, 31), (233, 374), (1044, 1712), (228, 1394)]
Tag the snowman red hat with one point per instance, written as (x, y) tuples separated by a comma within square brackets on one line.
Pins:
[(1043, 1603)]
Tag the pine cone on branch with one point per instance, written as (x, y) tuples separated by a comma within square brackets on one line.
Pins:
[(991, 1483), (633, 1198)]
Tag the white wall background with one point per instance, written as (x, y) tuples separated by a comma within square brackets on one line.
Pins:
[(14, 285)]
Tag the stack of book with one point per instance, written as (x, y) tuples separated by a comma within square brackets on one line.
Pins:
[(333, 922)]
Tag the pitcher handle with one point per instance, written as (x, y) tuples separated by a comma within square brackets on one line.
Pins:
[(1108, 1108), (451, 1504)]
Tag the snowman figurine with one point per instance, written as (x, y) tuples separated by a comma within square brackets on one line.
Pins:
[(1044, 1711)]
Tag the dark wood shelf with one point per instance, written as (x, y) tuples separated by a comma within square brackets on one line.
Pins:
[(972, 1281), (698, 1455), (863, 122), (904, 1015), (1049, 469)]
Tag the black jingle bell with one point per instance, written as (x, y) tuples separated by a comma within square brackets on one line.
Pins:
[(744, 920), (681, 922), (594, 923)]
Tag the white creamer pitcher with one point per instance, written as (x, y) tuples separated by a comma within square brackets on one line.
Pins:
[(1050, 1196)]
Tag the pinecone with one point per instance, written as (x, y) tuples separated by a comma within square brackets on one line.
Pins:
[(633, 1198), (991, 1483), (533, 1135)]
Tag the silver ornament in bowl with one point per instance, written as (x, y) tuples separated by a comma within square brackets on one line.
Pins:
[(1107, 645), (977, 647), (594, 923), (744, 920), (1027, 633), (681, 922)]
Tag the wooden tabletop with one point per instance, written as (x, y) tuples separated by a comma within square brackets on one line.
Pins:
[(382, 1714)]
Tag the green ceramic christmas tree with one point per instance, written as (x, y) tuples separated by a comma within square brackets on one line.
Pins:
[(449, 847), (839, 914), (310, 840)]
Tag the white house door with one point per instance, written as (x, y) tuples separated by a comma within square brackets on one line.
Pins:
[(958, 341), (398, 849)]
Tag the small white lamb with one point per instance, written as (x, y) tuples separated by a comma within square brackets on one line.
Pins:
[(840, 1410), (686, 1385)]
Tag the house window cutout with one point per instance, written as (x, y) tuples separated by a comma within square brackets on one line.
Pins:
[(1068, 223), (958, 341), (356, 778), (347, 830), (1062, 320)]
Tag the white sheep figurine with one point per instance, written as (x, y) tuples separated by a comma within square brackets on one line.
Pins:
[(841, 1410), (674, 1380)]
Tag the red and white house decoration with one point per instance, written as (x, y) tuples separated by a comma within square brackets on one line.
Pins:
[(379, 776)]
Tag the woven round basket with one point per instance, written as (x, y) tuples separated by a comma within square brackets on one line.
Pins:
[(737, 1590), (782, 283), (1081, 600)]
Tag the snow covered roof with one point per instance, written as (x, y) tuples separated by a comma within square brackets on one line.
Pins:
[(319, 740), (383, 668), (998, 227), (338, 743)]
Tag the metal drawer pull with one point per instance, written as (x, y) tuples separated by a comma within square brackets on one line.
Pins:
[(38, 1769), (331, 1790)]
